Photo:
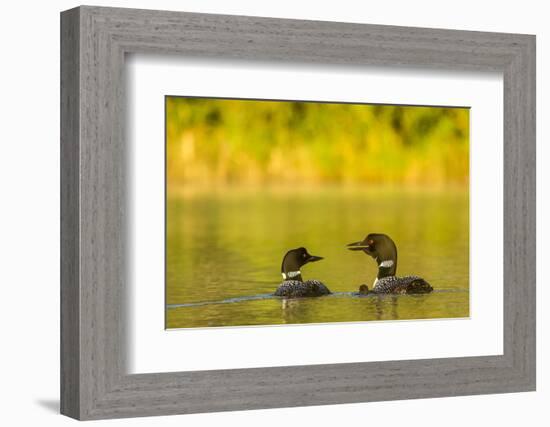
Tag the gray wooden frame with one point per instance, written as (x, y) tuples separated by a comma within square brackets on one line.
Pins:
[(94, 381)]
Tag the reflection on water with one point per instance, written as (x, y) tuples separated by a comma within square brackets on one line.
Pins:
[(224, 252)]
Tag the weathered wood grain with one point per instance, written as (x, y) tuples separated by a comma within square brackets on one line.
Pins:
[(70, 220), (94, 380)]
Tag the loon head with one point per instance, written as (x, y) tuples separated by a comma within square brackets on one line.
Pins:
[(382, 249), (294, 260)]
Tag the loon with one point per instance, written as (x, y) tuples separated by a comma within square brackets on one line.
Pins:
[(384, 251), (293, 286)]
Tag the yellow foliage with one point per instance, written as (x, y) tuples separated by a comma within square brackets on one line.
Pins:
[(249, 142)]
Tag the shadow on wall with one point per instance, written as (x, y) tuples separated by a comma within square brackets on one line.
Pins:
[(51, 405)]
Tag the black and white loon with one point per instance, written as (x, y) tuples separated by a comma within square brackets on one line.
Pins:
[(384, 251), (293, 286)]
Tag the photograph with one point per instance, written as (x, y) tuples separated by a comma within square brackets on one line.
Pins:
[(290, 212)]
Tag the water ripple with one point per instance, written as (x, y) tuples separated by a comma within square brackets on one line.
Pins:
[(271, 296)]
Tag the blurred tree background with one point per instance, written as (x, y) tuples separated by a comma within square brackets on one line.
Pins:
[(247, 142)]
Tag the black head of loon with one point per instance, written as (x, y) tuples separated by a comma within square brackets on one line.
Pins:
[(294, 260), (382, 249)]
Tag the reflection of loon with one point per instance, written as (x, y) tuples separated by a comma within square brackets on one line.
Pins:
[(293, 286), (384, 251)]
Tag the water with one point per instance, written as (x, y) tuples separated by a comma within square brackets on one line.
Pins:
[(225, 247)]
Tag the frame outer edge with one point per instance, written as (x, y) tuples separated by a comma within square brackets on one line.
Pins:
[(532, 226), (70, 396), (527, 78)]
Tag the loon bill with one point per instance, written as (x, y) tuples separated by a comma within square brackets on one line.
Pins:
[(383, 250), (293, 286)]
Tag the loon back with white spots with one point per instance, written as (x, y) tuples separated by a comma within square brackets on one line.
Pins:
[(293, 286), (383, 250), (298, 289)]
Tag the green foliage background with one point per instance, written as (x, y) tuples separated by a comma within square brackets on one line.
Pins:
[(247, 142)]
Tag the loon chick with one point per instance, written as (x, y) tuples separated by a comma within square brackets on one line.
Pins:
[(293, 286), (363, 289), (384, 251)]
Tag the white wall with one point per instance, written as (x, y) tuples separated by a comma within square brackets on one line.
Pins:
[(29, 225)]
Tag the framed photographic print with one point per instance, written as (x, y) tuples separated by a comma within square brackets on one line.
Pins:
[(254, 186), (235, 187)]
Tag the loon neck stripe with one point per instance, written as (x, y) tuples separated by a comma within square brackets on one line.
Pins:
[(291, 274), (386, 264)]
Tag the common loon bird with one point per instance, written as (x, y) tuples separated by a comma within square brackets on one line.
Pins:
[(293, 286), (384, 251)]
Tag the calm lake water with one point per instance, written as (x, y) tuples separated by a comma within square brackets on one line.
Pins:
[(224, 250)]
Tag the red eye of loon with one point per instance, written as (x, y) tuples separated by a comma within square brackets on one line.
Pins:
[(371, 242)]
